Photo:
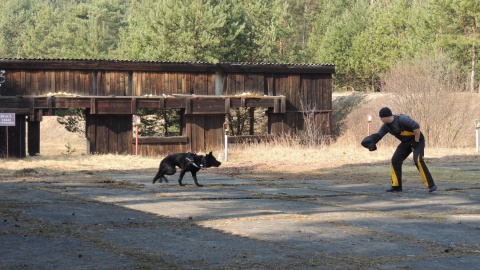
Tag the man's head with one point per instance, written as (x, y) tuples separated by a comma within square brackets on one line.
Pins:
[(386, 115)]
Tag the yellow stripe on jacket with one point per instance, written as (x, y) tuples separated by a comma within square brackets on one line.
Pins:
[(407, 133)]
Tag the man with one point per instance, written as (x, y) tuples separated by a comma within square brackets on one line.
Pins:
[(411, 139)]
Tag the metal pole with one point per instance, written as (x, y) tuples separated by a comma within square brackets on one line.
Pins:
[(226, 147), (7, 140), (136, 122), (225, 130), (369, 119), (477, 138), (136, 140), (477, 128)]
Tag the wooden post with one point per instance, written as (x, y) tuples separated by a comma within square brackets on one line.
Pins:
[(33, 138), (252, 120)]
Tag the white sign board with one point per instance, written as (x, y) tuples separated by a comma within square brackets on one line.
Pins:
[(7, 119)]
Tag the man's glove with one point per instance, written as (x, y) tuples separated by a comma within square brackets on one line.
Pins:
[(369, 142), (415, 144)]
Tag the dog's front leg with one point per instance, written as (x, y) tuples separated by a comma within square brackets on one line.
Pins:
[(182, 173), (194, 176)]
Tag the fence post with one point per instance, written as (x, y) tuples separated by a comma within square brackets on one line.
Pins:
[(225, 129), (369, 120), (477, 127), (136, 122)]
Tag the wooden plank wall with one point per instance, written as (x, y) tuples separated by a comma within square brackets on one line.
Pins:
[(295, 87), (109, 133), (213, 127), (158, 84), (195, 132), (237, 84), (112, 134), (106, 83), (112, 83), (161, 149), (205, 132), (35, 83), (33, 128), (16, 138), (315, 88)]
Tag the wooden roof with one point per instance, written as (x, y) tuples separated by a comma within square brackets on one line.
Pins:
[(107, 64)]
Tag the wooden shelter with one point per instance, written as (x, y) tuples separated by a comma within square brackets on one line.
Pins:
[(111, 91)]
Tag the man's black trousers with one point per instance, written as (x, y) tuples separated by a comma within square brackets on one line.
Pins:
[(401, 153)]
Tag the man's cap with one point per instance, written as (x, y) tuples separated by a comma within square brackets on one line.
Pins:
[(385, 112)]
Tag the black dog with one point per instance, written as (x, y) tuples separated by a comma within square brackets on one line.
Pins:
[(187, 162)]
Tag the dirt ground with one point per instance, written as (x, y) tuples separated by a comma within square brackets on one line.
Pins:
[(248, 216), (291, 209)]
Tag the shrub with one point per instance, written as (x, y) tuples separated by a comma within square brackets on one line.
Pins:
[(428, 89)]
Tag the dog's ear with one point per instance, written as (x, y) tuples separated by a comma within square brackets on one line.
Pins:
[(210, 154)]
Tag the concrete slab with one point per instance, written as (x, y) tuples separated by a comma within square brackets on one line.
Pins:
[(37, 252)]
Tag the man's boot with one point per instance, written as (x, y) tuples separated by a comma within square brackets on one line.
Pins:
[(395, 189)]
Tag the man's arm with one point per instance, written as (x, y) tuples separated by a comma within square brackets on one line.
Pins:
[(417, 134)]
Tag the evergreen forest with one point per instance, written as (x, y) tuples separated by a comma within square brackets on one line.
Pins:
[(364, 39)]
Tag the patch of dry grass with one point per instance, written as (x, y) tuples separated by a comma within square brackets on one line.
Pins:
[(336, 161), (335, 155), (61, 163), (342, 160)]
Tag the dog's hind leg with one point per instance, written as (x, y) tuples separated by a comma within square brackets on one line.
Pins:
[(158, 176), (164, 170)]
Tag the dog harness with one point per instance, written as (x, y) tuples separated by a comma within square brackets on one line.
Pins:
[(203, 162)]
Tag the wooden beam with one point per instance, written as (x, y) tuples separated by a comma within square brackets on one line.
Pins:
[(161, 140), (133, 108), (162, 103), (192, 104), (93, 107), (227, 105), (32, 107), (188, 106), (249, 138)]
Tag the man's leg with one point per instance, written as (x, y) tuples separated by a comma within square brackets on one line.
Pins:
[(401, 153), (422, 167)]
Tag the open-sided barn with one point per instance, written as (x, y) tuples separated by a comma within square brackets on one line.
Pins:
[(111, 91)]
